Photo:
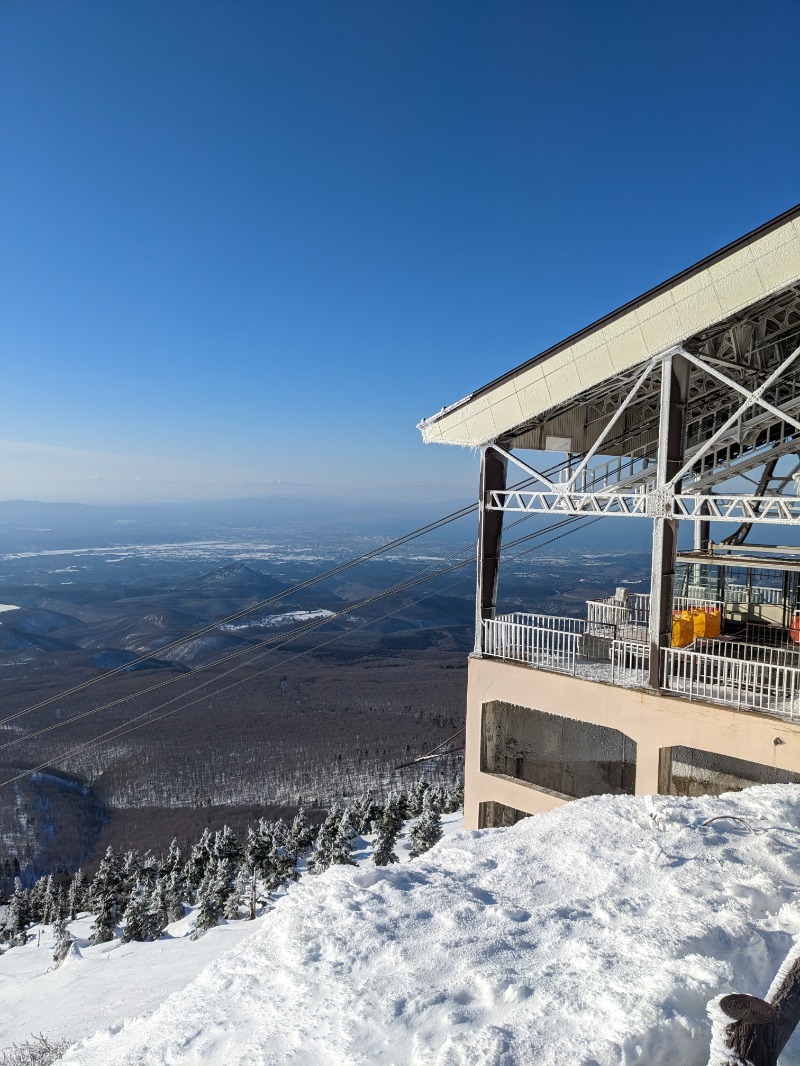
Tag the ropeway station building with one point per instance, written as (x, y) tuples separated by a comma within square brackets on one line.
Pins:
[(682, 410)]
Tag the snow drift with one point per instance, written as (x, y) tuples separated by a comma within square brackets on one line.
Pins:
[(593, 935)]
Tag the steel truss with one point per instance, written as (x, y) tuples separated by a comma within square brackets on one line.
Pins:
[(662, 498), (771, 510)]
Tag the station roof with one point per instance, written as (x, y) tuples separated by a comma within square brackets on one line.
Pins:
[(745, 274)]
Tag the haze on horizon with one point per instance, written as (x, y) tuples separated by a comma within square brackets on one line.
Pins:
[(248, 246)]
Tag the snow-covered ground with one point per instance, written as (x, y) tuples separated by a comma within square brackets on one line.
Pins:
[(100, 986), (591, 936)]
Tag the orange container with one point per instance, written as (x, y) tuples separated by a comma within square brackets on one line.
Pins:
[(707, 621), (794, 629), (682, 629)]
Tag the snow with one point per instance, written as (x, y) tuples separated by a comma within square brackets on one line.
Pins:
[(281, 619), (99, 986), (8, 607), (596, 934)]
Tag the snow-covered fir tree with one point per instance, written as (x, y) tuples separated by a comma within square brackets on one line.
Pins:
[(175, 894), (427, 831), (76, 896), (63, 940), (107, 898), (19, 915), (211, 896), (384, 852), (135, 917)]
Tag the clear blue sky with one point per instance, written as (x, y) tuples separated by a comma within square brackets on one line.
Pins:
[(246, 246)]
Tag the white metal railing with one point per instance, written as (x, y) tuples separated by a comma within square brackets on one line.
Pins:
[(560, 623), (538, 645), (757, 594), (630, 662), (633, 611), (735, 682), (772, 654), (740, 675), (685, 603)]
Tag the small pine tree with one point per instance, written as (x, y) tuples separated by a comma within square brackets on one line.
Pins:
[(18, 917), (211, 902), (105, 910), (49, 904), (63, 941), (157, 915), (384, 853), (300, 833), (175, 891), (427, 831), (76, 895), (136, 925), (340, 852), (199, 859), (417, 799)]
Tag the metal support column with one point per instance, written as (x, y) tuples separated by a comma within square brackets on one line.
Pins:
[(490, 533), (674, 391)]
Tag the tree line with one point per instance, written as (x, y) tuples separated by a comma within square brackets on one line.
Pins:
[(136, 896)]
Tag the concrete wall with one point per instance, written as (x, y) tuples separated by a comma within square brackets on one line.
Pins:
[(654, 723)]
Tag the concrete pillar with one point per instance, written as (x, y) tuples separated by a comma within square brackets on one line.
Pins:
[(648, 769)]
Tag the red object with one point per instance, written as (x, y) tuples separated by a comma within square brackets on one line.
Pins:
[(794, 631)]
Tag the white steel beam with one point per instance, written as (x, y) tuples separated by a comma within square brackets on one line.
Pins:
[(620, 411), (752, 398), (509, 458), (716, 507), (741, 389)]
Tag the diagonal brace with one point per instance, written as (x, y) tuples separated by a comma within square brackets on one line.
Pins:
[(524, 466), (752, 398), (617, 415), (739, 388)]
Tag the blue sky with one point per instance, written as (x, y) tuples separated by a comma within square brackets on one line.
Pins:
[(246, 246)]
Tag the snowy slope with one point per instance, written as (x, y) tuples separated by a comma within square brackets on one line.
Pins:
[(593, 935)]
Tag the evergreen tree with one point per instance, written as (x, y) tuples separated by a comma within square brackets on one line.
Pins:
[(106, 911), (175, 892), (211, 897), (108, 887), (49, 905), (300, 834), (136, 925), (340, 852), (384, 853), (394, 814), (326, 838), (417, 798), (18, 917), (427, 831), (36, 901), (76, 896), (63, 941), (173, 861), (258, 848), (199, 859), (157, 917), (349, 824)]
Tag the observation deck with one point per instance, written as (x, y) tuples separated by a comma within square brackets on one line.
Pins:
[(681, 409)]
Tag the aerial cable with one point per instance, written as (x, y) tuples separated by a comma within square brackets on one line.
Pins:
[(277, 598), (128, 727), (278, 641)]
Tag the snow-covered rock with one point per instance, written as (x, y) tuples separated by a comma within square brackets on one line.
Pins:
[(591, 936)]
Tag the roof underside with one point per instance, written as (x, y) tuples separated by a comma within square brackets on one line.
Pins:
[(739, 308)]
